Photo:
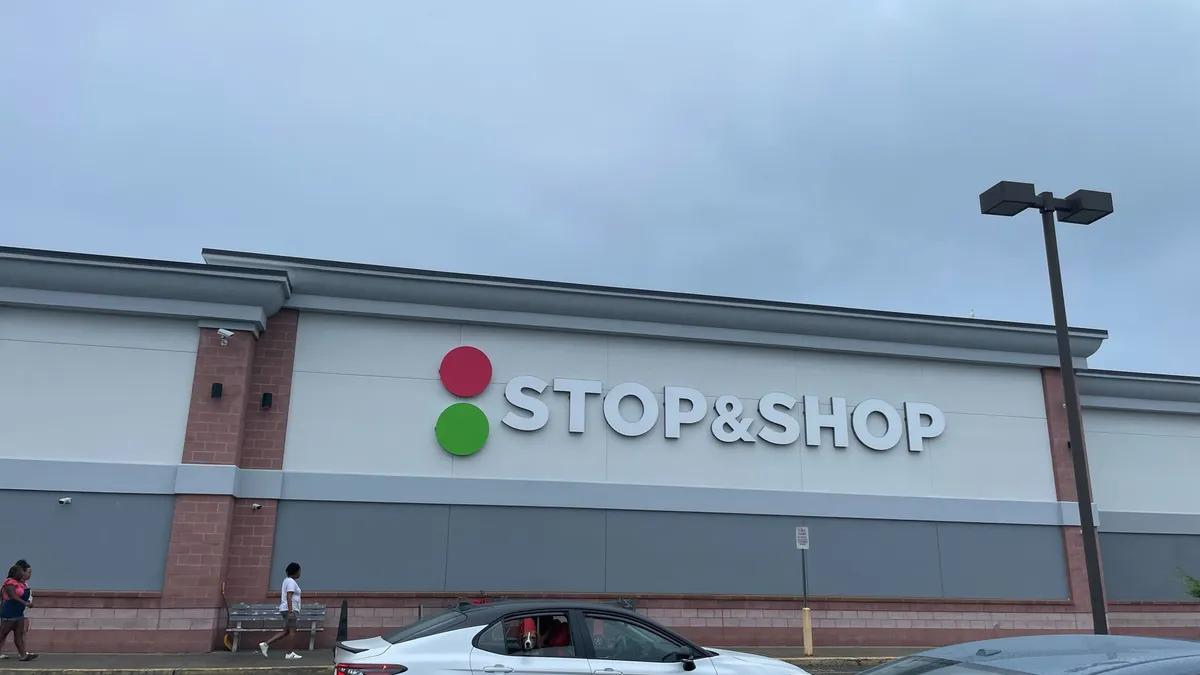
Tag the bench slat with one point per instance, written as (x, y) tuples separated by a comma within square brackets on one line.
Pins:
[(310, 619)]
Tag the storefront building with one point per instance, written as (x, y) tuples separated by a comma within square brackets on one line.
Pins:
[(413, 437)]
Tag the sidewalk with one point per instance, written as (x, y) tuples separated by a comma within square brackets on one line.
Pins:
[(215, 663), (830, 660)]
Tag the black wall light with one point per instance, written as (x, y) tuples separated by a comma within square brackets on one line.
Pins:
[(217, 389), (267, 399)]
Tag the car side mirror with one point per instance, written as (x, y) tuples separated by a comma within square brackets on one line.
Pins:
[(686, 658)]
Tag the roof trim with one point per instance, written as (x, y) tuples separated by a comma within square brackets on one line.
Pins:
[(1145, 392), (142, 263), (236, 295), (232, 258), (375, 290)]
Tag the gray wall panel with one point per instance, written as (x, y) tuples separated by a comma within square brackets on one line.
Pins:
[(1002, 561), (362, 547), (875, 558), (100, 542), (399, 547), (525, 549), (1148, 566), (651, 552)]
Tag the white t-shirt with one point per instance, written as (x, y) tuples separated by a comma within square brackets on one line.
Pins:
[(289, 584)]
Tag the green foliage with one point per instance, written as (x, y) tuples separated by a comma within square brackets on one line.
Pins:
[(1193, 585)]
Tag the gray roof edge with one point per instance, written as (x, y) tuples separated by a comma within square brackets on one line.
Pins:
[(85, 282), (1117, 385), (239, 258), (338, 279), (112, 261)]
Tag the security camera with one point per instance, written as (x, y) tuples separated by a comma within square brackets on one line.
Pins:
[(64, 501), (224, 334), (256, 507)]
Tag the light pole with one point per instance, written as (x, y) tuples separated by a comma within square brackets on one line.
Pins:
[(1083, 207)]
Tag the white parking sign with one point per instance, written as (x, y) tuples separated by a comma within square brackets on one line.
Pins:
[(802, 538)]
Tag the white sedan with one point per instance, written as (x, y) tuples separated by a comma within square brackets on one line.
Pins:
[(543, 638)]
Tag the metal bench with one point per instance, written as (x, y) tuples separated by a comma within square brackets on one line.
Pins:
[(248, 618)]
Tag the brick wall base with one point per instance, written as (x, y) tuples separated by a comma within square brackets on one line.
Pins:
[(762, 623), (58, 628), (80, 622)]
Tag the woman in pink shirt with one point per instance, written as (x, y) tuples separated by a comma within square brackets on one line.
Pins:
[(15, 597)]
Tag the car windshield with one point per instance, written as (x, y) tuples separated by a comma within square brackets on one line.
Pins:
[(921, 665), (436, 624)]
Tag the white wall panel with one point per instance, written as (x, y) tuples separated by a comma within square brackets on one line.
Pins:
[(549, 454), (982, 457), (364, 424), (1144, 461), (381, 420), (101, 330), (94, 387), (745, 372), (358, 345), (698, 459), (544, 354)]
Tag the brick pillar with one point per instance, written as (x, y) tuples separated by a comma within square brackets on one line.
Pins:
[(1064, 483), (274, 356), (214, 426), (252, 545), (200, 527), (217, 540), (198, 550)]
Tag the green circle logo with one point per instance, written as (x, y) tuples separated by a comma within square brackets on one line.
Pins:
[(461, 429)]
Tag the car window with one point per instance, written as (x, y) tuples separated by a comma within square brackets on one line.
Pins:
[(437, 624), (619, 640), (530, 635)]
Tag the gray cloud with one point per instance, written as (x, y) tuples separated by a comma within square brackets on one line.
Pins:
[(825, 152)]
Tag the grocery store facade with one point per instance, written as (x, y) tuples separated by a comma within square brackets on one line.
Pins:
[(414, 438)]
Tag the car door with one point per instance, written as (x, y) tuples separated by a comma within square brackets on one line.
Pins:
[(621, 646), (529, 644)]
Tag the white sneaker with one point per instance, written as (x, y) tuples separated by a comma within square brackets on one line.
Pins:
[(264, 648), (292, 656)]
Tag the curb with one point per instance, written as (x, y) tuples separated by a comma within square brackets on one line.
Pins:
[(822, 662), (833, 661)]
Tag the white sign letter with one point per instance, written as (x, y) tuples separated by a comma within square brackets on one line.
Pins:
[(676, 415), (514, 393), (917, 433), (891, 433), (612, 409), (729, 427), (814, 421), (775, 408), (577, 391)]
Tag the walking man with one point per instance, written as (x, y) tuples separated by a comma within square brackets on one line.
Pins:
[(289, 608)]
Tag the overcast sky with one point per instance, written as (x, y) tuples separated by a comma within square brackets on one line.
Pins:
[(825, 152)]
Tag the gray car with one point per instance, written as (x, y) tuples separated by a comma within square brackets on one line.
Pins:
[(1053, 655)]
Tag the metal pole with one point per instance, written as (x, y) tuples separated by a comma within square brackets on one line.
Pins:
[(804, 572), (805, 612), (1083, 485)]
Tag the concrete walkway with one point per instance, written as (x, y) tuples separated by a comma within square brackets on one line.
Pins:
[(216, 663), (831, 660)]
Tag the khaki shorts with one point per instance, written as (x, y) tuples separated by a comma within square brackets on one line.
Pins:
[(289, 619)]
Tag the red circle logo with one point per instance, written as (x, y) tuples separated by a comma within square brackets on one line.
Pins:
[(465, 371)]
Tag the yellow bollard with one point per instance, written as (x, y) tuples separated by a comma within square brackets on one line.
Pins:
[(808, 643)]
